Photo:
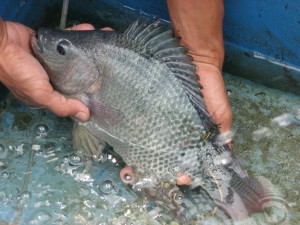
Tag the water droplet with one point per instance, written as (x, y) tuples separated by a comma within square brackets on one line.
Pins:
[(39, 152), (41, 129), (3, 152), (174, 169), (298, 114), (65, 159), (283, 120), (156, 23), (36, 147), (113, 160), (205, 184), (5, 175), (261, 133), (223, 159), (155, 213), (225, 138), (208, 155), (106, 186), (41, 217), (75, 160), (20, 149), (127, 177), (22, 198), (2, 149), (179, 198), (103, 158), (26, 195)]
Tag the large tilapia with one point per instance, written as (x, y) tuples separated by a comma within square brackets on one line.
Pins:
[(145, 102)]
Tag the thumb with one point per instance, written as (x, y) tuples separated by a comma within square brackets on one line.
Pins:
[(63, 106)]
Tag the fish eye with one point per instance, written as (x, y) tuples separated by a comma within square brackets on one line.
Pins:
[(61, 47)]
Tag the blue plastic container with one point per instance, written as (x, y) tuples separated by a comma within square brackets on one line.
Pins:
[(42, 179), (261, 37)]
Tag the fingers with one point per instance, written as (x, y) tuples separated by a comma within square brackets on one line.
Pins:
[(56, 103), (107, 29), (83, 26), (87, 26), (215, 95), (183, 179), (63, 106)]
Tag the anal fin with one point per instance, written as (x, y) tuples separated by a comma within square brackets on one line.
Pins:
[(86, 142)]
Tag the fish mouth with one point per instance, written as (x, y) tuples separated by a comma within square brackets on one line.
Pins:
[(37, 43)]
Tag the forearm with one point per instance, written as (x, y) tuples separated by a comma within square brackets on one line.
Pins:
[(3, 43), (199, 23)]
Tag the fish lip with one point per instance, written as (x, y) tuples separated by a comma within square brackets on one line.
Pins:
[(36, 43)]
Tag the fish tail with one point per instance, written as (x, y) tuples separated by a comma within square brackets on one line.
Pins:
[(242, 196)]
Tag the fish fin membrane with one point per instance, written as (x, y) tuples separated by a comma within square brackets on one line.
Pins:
[(157, 40), (240, 197), (85, 142), (105, 115)]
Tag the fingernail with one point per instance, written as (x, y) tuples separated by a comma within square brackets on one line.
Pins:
[(82, 116)]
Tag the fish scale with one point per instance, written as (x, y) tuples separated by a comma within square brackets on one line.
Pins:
[(145, 101)]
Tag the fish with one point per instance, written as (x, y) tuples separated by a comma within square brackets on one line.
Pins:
[(145, 101)]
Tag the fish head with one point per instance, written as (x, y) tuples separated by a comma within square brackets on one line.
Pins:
[(70, 67)]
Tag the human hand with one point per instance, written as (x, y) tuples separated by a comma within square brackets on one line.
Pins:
[(21, 72), (199, 24), (215, 95)]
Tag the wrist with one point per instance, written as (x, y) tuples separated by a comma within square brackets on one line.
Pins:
[(3, 43), (210, 59)]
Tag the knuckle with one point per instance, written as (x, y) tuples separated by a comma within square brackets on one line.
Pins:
[(62, 113)]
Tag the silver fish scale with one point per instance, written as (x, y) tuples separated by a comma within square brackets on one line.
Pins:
[(144, 98), (158, 123)]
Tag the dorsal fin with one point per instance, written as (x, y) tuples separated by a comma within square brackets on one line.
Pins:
[(158, 41)]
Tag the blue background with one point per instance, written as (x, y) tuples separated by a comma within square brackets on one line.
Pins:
[(262, 38)]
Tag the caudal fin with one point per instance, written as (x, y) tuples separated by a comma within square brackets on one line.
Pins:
[(240, 197)]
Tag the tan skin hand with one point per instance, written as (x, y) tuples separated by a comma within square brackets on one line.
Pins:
[(199, 24), (21, 72)]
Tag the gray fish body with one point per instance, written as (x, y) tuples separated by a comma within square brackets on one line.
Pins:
[(155, 122), (145, 102)]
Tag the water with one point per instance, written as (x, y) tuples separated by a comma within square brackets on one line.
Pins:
[(44, 182)]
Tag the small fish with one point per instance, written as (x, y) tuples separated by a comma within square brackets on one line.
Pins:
[(145, 102)]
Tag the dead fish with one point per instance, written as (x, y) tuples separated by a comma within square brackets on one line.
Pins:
[(144, 98)]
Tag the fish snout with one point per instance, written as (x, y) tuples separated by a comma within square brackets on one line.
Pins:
[(36, 44)]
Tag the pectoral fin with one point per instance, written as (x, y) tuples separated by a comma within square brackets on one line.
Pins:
[(86, 142), (104, 114)]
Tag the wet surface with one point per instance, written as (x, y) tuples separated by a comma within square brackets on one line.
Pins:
[(43, 181)]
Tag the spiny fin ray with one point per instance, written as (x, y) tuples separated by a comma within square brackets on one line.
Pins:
[(157, 40)]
